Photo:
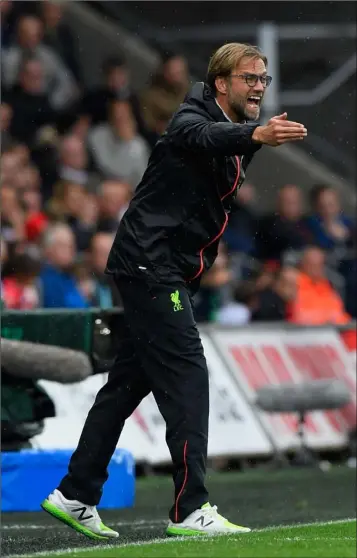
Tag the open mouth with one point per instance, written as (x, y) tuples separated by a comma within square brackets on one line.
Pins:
[(253, 101)]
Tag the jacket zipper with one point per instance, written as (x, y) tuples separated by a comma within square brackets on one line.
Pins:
[(223, 226)]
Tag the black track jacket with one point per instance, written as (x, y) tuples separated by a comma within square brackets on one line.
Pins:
[(171, 229)]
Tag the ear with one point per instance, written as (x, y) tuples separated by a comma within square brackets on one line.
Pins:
[(221, 85)]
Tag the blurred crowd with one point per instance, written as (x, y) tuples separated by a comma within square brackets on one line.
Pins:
[(71, 159)]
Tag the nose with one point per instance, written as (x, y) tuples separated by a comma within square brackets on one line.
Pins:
[(259, 87)]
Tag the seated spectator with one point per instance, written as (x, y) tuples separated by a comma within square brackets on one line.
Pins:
[(58, 285), (239, 236), (165, 93), (30, 194), (3, 253), (29, 102), (316, 302), (284, 230), (58, 35), (66, 200), (74, 206), (5, 125), (73, 160), (10, 163), (20, 286), (6, 27), (113, 200), (215, 289), (272, 303), (58, 81), (12, 216), (74, 122), (27, 178), (103, 293), (22, 154), (238, 312), (328, 225), (116, 86), (118, 151)]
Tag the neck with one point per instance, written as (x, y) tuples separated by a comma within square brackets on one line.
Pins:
[(223, 103)]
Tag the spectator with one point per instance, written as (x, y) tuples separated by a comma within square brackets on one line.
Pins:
[(22, 154), (73, 160), (31, 200), (240, 233), (284, 230), (117, 149), (272, 303), (74, 122), (20, 288), (6, 29), (5, 125), (73, 205), (238, 312), (12, 217), (317, 302), (10, 163), (104, 293), (59, 288), (115, 86), (166, 92), (58, 82), (67, 199), (215, 289), (27, 178), (58, 35), (29, 102), (113, 197), (329, 227), (3, 252)]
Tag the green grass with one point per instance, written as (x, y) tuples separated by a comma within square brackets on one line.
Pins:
[(328, 540), (258, 498)]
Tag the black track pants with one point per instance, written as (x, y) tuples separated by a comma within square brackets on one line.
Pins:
[(161, 352)]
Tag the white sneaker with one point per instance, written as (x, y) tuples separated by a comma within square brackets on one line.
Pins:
[(205, 521), (84, 519)]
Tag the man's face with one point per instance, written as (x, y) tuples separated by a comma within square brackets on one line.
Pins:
[(29, 32), (245, 99), (290, 203), (328, 205), (117, 78), (61, 252), (313, 263)]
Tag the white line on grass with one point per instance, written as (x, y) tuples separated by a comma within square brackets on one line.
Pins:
[(136, 524), (167, 540)]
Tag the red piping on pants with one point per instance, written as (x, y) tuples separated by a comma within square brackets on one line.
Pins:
[(223, 226), (184, 481)]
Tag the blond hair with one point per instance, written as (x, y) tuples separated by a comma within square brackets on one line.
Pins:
[(228, 57)]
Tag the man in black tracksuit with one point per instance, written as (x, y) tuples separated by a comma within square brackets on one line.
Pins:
[(167, 238)]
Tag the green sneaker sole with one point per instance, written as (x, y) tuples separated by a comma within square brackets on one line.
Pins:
[(178, 532), (68, 520)]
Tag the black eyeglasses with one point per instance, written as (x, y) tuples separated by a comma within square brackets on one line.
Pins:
[(252, 79)]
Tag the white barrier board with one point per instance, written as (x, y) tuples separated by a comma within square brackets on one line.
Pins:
[(256, 358)]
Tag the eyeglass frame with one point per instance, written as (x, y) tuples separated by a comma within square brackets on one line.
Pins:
[(268, 79)]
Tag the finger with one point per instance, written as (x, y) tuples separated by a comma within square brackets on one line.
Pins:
[(293, 130), (288, 140), (280, 116), (291, 124)]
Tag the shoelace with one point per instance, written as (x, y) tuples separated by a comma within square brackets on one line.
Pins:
[(213, 512)]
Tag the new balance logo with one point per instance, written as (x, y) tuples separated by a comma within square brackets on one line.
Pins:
[(201, 520), (81, 516)]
